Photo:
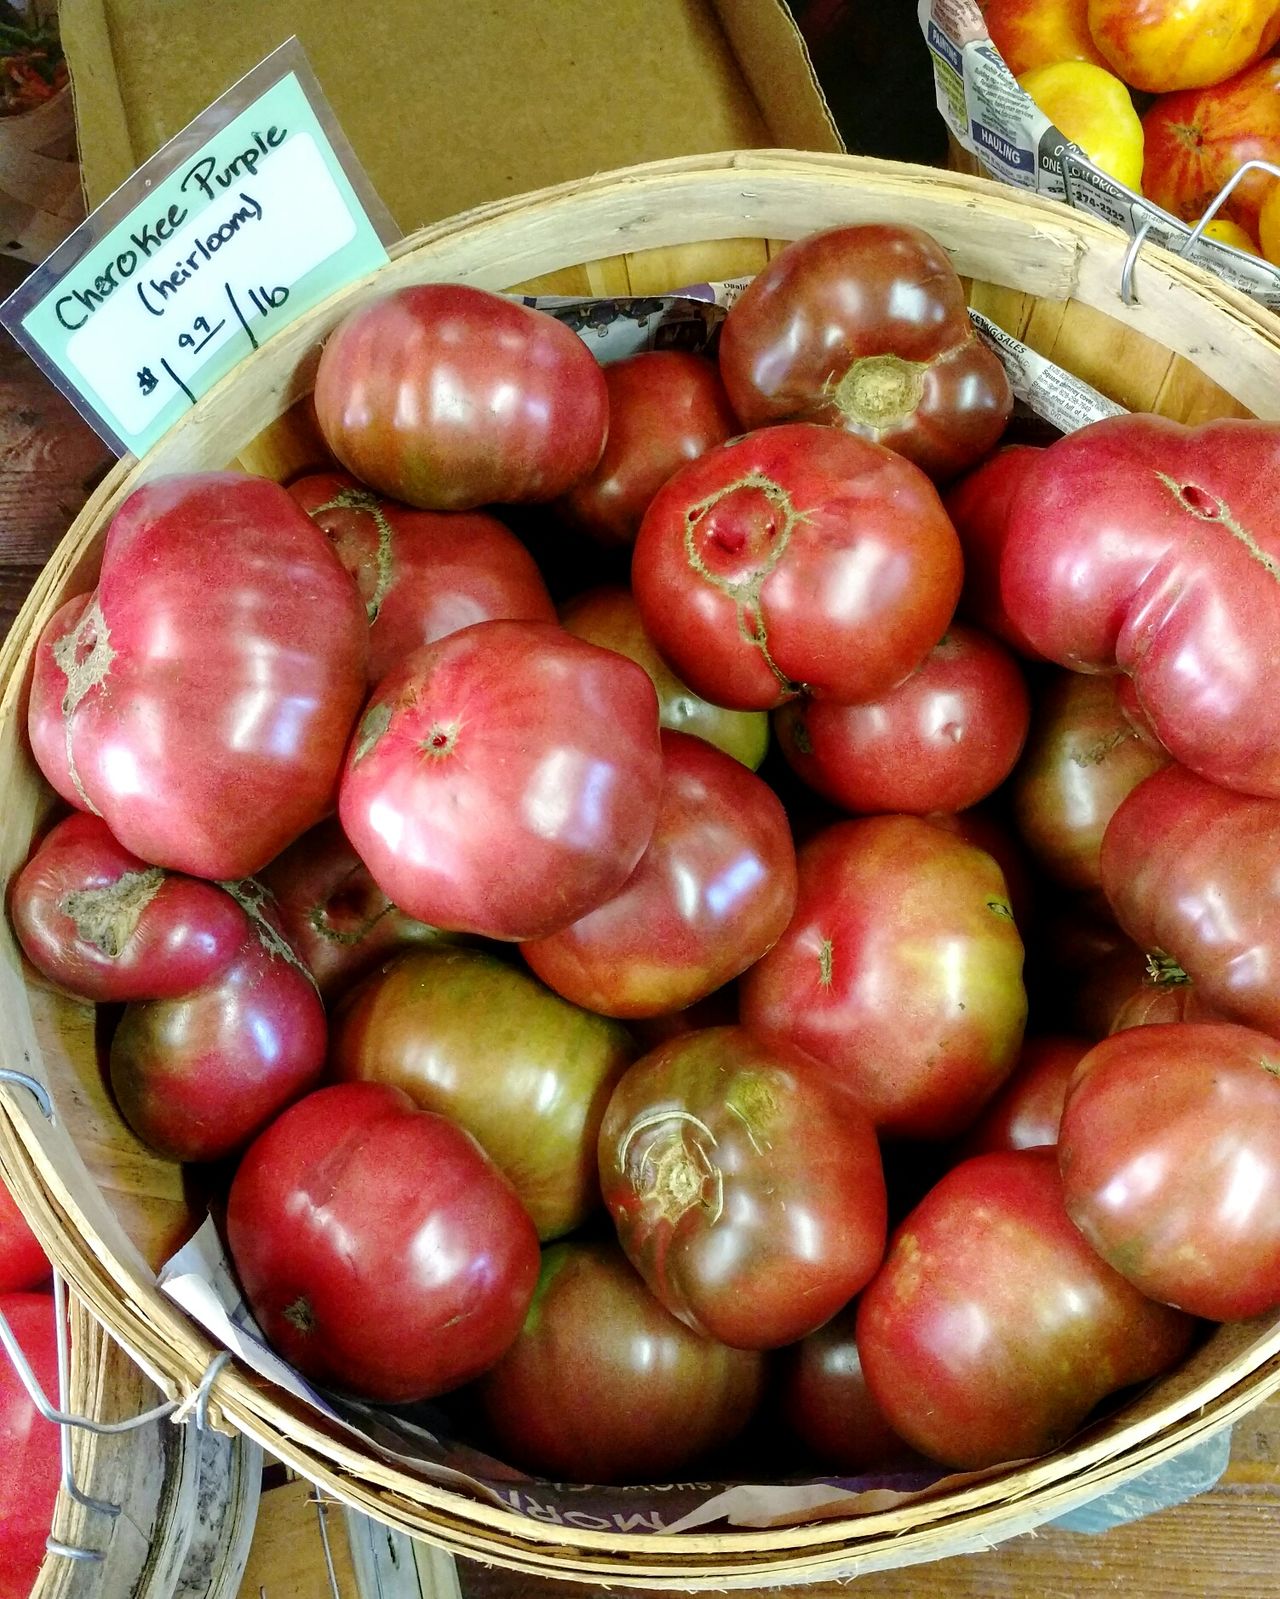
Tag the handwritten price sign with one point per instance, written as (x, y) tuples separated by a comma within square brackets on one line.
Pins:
[(137, 318)]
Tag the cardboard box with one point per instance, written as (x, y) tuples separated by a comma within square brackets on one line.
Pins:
[(450, 104)]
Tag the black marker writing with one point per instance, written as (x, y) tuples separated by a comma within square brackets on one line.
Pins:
[(164, 286)]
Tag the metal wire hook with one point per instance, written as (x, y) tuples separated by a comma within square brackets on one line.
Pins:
[(25, 1080), (1197, 233)]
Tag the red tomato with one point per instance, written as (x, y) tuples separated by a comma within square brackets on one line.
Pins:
[(29, 1449), (866, 328), (1083, 756), (23, 1263), (1026, 1112), (712, 892), (940, 741), (1142, 544), (381, 1250), (747, 1193), (333, 913), (602, 1385), (197, 1076), (1170, 1156), (610, 617), (901, 972), (796, 557), (1165, 994), (1196, 139), (987, 830), (200, 701), (105, 926), (527, 1074), (505, 779), (824, 1400), (422, 574), (449, 397), (979, 504), (993, 1329), (666, 407), (1193, 870)]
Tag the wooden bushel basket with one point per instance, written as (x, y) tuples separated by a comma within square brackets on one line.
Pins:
[(109, 1211), (40, 198)]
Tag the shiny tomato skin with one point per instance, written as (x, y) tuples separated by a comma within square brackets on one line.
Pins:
[(712, 892), (987, 829), (29, 1448), (422, 574), (1048, 1328), (525, 1072), (823, 1399), (333, 913), (796, 556), (219, 668), (449, 397), (666, 407), (747, 1193), (1163, 45), (978, 504), (23, 1263), (1082, 757), (603, 1385), (381, 1250), (609, 616), (1163, 996), (105, 926), (1140, 544), (866, 328), (1190, 869), (197, 1076), (901, 972), (1026, 1112), (1170, 1158), (940, 741), (505, 780)]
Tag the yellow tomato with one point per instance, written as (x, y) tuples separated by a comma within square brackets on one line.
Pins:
[(1161, 45), (1269, 226), (1233, 234), (1036, 33), (1094, 110)]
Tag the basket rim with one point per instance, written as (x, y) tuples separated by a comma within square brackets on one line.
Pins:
[(757, 194)]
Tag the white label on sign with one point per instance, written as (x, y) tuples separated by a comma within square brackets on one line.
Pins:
[(198, 293)]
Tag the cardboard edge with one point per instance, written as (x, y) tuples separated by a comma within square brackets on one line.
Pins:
[(775, 61), (108, 159)]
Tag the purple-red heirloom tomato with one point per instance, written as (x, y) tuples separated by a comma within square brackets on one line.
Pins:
[(381, 1250), (1083, 756), (422, 574), (105, 926), (746, 1190), (201, 700), (610, 617), (988, 831), (901, 972), (1165, 994), (1193, 870), (941, 741), (333, 913), (979, 504), (505, 780), (712, 892), (824, 1400), (197, 1076), (866, 328), (449, 397), (23, 1263), (1140, 544), (1170, 1157), (666, 407), (796, 558), (1027, 1110), (29, 1449), (603, 1385), (993, 1329), (525, 1072)]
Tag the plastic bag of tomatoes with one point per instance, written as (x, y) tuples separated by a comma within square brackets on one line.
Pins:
[(723, 901)]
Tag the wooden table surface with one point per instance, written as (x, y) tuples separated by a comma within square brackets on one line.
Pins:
[(1226, 1542)]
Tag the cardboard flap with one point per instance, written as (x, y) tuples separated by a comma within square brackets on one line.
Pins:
[(448, 106)]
